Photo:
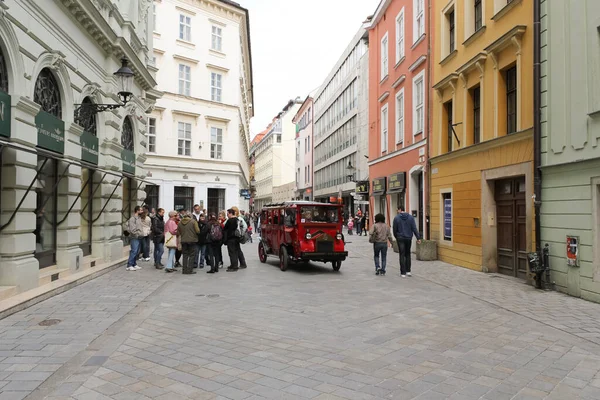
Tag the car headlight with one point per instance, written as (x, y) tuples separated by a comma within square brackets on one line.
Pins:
[(338, 236), (308, 236)]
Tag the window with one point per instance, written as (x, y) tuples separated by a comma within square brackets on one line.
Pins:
[(384, 128), (151, 135), (308, 174), (217, 38), (184, 198), (419, 19), (151, 196), (185, 80), (478, 15), (447, 206), (448, 107), (278, 137), (384, 57), (511, 100), (419, 102), (476, 94), (308, 148), (154, 16), (451, 31), (185, 28), (216, 143), (400, 36), (215, 86), (184, 144), (400, 116)]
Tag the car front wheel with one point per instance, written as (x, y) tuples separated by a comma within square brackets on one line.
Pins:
[(283, 259), (337, 265)]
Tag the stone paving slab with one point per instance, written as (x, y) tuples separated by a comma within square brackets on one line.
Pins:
[(308, 333)]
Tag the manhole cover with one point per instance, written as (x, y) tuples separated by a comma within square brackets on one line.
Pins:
[(200, 295), (49, 322), (213, 295)]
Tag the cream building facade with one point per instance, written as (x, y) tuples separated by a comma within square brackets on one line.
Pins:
[(199, 132), (69, 174)]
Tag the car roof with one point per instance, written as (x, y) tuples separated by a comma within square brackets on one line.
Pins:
[(300, 203)]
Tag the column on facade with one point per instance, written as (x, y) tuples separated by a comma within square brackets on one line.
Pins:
[(19, 267)]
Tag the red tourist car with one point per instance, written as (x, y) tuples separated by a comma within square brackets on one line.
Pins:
[(302, 231)]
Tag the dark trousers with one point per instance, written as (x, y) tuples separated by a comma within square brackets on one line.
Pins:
[(241, 257), (189, 256), (404, 248), (177, 255), (358, 228), (232, 248), (145, 246), (380, 248), (214, 256)]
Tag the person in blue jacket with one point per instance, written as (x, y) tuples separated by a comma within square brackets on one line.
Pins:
[(404, 227)]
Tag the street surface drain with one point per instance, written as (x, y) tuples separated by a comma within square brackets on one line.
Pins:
[(200, 295), (213, 295), (49, 322)]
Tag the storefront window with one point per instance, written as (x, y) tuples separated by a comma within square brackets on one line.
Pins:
[(184, 198), (85, 228), (400, 199), (45, 226)]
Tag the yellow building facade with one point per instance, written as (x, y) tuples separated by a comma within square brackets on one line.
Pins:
[(481, 165)]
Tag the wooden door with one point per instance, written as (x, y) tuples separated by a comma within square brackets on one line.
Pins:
[(512, 232)]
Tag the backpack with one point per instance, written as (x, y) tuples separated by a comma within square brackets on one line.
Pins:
[(216, 233), (241, 230)]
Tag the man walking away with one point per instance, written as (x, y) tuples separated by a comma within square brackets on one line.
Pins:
[(134, 228), (202, 241), (231, 240), (158, 236), (404, 228), (215, 241), (188, 231)]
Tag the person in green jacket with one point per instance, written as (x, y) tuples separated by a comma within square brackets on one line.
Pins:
[(187, 232)]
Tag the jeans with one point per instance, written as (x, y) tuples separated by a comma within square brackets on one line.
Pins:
[(171, 258), (189, 256), (380, 247), (145, 246), (404, 248), (159, 249), (232, 248), (133, 251), (358, 229), (200, 255), (214, 256)]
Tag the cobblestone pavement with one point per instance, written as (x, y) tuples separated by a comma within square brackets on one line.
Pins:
[(446, 333)]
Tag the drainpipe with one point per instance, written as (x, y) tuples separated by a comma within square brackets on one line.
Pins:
[(427, 172), (537, 137)]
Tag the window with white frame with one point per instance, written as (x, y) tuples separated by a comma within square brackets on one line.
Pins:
[(400, 36), (185, 80), (400, 116), (184, 143), (217, 38), (384, 128), (151, 135), (384, 56), (418, 19), (216, 143), (185, 27), (215, 86), (419, 103)]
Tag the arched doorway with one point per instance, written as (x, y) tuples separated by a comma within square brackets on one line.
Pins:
[(47, 94)]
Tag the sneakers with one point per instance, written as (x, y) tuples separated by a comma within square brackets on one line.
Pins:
[(377, 272), (403, 276), (408, 274), (137, 267), (131, 269)]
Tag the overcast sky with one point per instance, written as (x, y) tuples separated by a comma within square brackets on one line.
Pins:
[(294, 46)]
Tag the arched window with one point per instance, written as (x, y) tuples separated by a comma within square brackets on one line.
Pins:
[(127, 134), (3, 73), (86, 117), (47, 93)]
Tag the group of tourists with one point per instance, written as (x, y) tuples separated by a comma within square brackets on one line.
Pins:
[(192, 239), (359, 221)]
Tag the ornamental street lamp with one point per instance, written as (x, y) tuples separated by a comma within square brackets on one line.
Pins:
[(350, 170), (124, 76)]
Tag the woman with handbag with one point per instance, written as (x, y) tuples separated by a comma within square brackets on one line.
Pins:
[(380, 235), (171, 240)]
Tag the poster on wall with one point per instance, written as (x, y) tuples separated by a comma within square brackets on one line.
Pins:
[(447, 219)]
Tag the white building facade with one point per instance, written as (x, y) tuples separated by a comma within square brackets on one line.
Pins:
[(69, 171), (274, 165), (199, 132), (341, 126), (304, 121)]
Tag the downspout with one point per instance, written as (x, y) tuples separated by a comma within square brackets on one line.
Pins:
[(427, 178), (537, 136)]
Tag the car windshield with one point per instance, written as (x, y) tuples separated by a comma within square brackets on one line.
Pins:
[(319, 214)]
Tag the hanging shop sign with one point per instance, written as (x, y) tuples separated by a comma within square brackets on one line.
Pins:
[(362, 187), (4, 114), (245, 193), (89, 147), (51, 132), (128, 158), (378, 186), (397, 182)]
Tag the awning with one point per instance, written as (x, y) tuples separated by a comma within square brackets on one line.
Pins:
[(59, 157)]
